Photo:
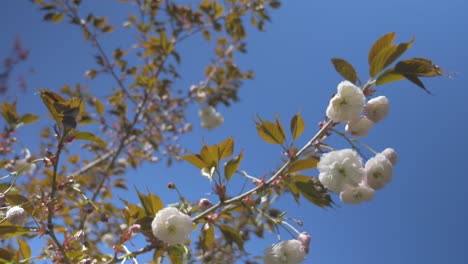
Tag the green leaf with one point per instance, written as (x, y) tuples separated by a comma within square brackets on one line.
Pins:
[(232, 235), (419, 67), (388, 76), (83, 135), (207, 236), (303, 164), (382, 43), (56, 18), (99, 107), (9, 113), (345, 69), (133, 210), (145, 202), (417, 81), (387, 56), (297, 126), (29, 118), (280, 127), (226, 148), (196, 160), (176, 254), (24, 249), (232, 165), (269, 132), (210, 155), (9, 231), (313, 190), (18, 199)]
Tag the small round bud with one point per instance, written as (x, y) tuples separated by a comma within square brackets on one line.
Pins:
[(171, 186), (391, 155), (135, 228), (16, 215), (204, 203), (88, 208), (377, 109), (359, 127), (304, 238)]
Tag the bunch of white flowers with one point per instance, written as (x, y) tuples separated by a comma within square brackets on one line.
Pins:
[(210, 119), (348, 104), (171, 226), (342, 172)]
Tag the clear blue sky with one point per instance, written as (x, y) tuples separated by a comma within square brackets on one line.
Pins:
[(421, 217)]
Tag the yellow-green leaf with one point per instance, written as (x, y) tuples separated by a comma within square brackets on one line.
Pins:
[(29, 118), (99, 106), (8, 231), (313, 190), (176, 254), (210, 155), (156, 203), (196, 160), (387, 56), (388, 76), (83, 135), (56, 18), (24, 249), (232, 235), (145, 202), (226, 148), (232, 165), (297, 126), (9, 113), (303, 164), (382, 43), (207, 236), (280, 127), (269, 132), (345, 69), (418, 67)]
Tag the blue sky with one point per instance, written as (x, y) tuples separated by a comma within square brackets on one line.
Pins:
[(419, 218)]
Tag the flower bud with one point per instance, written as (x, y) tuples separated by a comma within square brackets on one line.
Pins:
[(204, 203), (88, 208), (377, 109), (304, 238), (357, 195), (16, 215), (359, 127), (391, 155), (171, 186)]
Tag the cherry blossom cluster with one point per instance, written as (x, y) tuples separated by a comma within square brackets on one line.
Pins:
[(342, 171)]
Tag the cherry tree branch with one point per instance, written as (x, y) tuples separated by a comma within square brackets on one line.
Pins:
[(277, 174)]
